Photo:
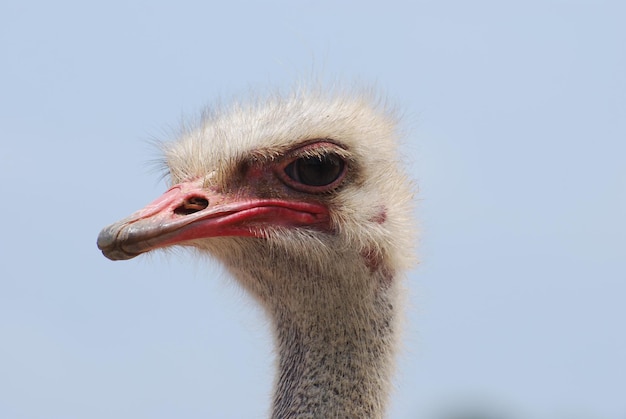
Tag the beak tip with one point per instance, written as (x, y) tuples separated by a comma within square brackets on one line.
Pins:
[(116, 254), (105, 239), (108, 243)]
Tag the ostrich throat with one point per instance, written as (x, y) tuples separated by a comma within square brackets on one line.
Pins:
[(335, 333)]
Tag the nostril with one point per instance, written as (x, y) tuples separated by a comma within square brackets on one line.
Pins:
[(191, 205)]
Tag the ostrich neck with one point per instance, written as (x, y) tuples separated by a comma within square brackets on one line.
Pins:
[(335, 349)]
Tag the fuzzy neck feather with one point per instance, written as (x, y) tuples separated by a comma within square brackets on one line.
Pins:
[(335, 328), (337, 364)]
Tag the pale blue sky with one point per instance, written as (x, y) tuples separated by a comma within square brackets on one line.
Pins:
[(516, 121)]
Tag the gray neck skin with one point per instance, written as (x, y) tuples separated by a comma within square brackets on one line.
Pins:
[(335, 325), (336, 361)]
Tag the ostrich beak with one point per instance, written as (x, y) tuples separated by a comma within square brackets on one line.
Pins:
[(189, 211)]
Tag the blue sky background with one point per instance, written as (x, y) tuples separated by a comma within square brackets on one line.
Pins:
[(516, 120)]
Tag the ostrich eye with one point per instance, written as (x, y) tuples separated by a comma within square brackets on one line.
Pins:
[(316, 170)]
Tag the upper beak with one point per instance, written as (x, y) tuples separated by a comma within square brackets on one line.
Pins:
[(190, 211)]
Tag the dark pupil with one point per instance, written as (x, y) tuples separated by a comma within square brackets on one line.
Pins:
[(315, 171)]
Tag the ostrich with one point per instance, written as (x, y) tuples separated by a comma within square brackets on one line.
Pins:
[(301, 198)]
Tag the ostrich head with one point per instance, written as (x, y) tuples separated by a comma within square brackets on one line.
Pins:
[(302, 199)]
